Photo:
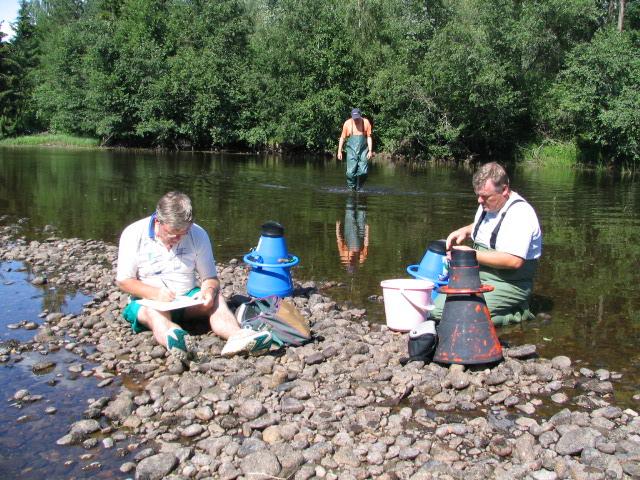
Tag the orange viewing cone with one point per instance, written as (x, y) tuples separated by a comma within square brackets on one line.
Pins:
[(466, 334)]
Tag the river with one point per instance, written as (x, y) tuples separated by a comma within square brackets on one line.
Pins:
[(588, 275)]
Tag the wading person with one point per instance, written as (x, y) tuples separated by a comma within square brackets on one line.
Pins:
[(158, 259), (357, 131), (507, 236)]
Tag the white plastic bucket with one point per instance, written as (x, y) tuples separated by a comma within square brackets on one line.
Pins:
[(407, 302)]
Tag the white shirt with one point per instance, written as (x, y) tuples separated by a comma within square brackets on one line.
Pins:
[(143, 256), (519, 234)]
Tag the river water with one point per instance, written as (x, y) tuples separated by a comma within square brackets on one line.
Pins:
[(587, 280)]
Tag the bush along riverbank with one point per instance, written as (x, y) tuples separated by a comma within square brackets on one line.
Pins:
[(340, 407)]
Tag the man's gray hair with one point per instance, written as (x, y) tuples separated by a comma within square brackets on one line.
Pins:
[(174, 209), (490, 171)]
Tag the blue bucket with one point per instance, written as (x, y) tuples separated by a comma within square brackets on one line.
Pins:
[(270, 264), (433, 266)]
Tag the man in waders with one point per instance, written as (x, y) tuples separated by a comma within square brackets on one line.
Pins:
[(359, 148), (507, 236)]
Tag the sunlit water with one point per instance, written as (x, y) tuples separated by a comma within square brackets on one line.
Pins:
[(588, 274), (28, 432)]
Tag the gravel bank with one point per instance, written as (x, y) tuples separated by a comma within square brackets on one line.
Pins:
[(341, 407)]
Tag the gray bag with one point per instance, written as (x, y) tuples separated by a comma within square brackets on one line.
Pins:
[(278, 316)]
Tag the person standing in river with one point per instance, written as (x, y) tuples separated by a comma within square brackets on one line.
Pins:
[(163, 256), (507, 237), (357, 132)]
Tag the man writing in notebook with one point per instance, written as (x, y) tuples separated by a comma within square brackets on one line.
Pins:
[(164, 255)]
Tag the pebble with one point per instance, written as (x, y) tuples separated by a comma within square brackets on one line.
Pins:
[(340, 407), (84, 427), (156, 467), (75, 368), (522, 351), (20, 394), (105, 382), (42, 367), (560, 398), (192, 430), (127, 467)]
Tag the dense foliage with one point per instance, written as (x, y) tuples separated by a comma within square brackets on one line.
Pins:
[(438, 78)]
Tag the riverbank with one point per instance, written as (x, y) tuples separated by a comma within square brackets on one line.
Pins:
[(340, 407), (50, 140), (550, 154)]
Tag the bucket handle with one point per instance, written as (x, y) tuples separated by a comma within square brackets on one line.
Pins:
[(423, 308)]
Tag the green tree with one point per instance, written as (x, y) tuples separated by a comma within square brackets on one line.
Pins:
[(25, 52), (597, 97), (304, 76), (489, 64), (443, 78), (408, 121), (210, 54), (7, 89)]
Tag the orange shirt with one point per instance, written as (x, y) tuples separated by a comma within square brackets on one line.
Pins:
[(350, 255), (356, 127)]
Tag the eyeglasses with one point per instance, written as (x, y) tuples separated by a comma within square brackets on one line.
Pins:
[(173, 233), (488, 193), (486, 196)]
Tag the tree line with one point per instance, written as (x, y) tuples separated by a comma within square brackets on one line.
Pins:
[(439, 79)]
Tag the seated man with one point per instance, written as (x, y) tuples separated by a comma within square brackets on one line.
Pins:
[(158, 258), (507, 236)]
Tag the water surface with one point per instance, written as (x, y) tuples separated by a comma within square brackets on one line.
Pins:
[(587, 278), (28, 433)]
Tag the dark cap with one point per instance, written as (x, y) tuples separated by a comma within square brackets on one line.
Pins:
[(355, 113), (438, 246), (272, 229)]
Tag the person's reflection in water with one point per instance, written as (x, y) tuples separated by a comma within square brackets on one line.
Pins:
[(353, 244)]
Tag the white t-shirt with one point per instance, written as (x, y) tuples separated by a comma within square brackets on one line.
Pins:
[(142, 256), (519, 234)]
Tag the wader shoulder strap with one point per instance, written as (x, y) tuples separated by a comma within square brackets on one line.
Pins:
[(494, 234), (475, 230)]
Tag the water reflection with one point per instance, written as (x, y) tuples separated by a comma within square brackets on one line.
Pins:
[(22, 301), (590, 220), (353, 236), (29, 429)]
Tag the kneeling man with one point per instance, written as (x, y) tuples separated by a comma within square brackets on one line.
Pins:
[(507, 236), (158, 259)]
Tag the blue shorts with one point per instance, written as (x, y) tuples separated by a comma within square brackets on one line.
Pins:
[(130, 313)]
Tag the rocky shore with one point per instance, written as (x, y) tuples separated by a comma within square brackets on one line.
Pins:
[(341, 407)]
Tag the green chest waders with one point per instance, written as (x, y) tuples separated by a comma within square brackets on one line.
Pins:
[(357, 166), (355, 221), (509, 301)]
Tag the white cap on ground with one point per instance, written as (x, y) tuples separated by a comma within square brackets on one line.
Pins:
[(422, 329)]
